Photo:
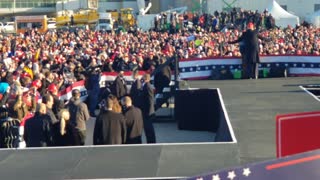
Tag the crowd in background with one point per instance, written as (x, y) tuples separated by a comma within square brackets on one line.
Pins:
[(36, 66)]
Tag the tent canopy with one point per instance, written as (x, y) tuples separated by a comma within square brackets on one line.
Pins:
[(281, 16)]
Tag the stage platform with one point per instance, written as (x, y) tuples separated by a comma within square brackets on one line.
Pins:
[(251, 106)]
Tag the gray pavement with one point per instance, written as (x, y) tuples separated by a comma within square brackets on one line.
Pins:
[(166, 132)]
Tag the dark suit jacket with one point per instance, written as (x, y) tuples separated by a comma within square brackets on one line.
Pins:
[(37, 132), (251, 46), (70, 138), (120, 87), (57, 105), (135, 92), (110, 128), (134, 122), (147, 100), (162, 78)]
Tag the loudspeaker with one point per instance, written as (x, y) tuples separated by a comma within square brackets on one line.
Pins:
[(197, 109), (277, 72)]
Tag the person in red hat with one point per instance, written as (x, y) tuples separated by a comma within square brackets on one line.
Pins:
[(250, 53), (57, 103)]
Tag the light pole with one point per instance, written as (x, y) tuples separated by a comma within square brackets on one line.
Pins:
[(14, 6)]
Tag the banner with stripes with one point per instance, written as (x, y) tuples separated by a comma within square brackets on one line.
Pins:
[(296, 167), (201, 68)]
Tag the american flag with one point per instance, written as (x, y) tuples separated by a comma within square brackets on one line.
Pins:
[(106, 77), (201, 68), (298, 167)]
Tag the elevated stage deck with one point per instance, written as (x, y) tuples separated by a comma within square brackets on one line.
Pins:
[(251, 105)]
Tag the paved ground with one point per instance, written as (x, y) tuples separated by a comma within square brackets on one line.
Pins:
[(166, 132), (252, 106)]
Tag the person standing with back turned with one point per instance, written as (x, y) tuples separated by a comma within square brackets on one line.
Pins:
[(250, 55), (79, 114)]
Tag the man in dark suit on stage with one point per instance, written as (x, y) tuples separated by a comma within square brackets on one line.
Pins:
[(134, 121), (250, 55), (110, 127), (147, 108)]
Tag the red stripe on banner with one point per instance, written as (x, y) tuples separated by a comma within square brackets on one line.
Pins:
[(68, 89), (125, 73), (292, 162)]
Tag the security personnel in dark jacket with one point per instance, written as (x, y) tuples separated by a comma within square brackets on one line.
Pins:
[(135, 89), (110, 127), (120, 86), (134, 121), (37, 132), (147, 108)]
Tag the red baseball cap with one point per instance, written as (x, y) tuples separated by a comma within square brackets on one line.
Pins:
[(250, 25)]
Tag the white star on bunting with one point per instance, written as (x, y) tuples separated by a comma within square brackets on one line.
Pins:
[(216, 177), (191, 69), (246, 172), (207, 67), (213, 67), (231, 175)]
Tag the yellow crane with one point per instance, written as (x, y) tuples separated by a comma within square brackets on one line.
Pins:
[(123, 18)]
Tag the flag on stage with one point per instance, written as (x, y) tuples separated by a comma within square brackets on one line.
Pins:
[(297, 167)]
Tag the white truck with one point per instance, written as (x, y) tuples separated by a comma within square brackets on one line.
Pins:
[(105, 22)]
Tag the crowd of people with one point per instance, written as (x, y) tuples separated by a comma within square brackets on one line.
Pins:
[(36, 66)]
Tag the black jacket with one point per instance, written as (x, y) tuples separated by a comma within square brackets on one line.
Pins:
[(57, 105), (37, 132), (135, 92), (147, 100), (134, 122), (251, 46), (70, 138), (162, 78), (120, 87), (110, 128)]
